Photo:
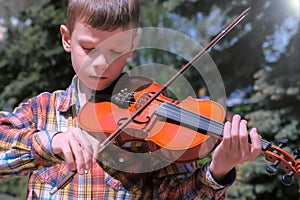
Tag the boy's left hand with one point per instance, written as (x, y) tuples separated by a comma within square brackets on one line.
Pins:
[(234, 148)]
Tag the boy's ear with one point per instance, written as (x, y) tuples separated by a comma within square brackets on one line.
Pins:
[(134, 43), (66, 38), (136, 39)]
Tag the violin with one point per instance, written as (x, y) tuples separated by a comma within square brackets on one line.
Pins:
[(174, 131), (180, 131)]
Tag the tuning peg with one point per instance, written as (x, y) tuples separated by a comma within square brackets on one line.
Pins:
[(297, 154), (287, 179), (283, 142), (272, 169)]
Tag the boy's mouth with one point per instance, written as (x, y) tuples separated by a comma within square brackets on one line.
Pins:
[(98, 77)]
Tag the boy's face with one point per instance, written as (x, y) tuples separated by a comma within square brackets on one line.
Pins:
[(98, 57)]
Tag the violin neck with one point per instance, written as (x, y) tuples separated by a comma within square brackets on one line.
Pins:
[(201, 124), (194, 121)]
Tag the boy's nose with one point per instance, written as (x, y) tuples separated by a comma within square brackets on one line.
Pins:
[(100, 62)]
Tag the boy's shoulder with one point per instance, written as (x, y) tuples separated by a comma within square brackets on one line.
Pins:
[(61, 100)]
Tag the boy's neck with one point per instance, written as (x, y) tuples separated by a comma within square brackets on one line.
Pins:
[(84, 93)]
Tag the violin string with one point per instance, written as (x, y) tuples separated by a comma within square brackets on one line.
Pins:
[(176, 113), (210, 125), (195, 116), (192, 119)]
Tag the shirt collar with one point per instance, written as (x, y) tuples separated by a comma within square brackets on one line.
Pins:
[(68, 98)]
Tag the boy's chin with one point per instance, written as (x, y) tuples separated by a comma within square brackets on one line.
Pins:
[(100, 87)]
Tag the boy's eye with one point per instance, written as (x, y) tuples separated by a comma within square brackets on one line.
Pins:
[(88, 48), (117, 52)]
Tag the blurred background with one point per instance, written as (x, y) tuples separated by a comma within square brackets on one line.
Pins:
[(258, 61)]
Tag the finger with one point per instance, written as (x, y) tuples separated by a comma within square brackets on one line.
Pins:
[(69, 157), (87, 154), (91, 144), (243, 137), (256, 146), (96, 140), (226, 135), (235, 129), (78, 155), (85, 148)]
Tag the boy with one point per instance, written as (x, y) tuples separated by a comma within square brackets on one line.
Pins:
[(41, 138)]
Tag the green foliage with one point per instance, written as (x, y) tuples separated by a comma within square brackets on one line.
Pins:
[(32, 55), (15, 187), (12, 8)]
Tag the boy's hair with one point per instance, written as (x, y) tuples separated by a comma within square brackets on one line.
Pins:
[(107, 15)]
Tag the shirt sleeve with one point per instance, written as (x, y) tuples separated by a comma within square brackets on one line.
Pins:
[(42, 149), (23, 148), (16, 158), (190, 183)]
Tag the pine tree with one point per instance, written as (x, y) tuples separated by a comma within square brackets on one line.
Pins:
[(32, 59)]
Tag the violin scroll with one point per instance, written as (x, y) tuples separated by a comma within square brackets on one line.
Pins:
[(282, 159)]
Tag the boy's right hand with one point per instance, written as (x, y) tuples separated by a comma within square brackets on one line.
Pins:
[(78, 148)]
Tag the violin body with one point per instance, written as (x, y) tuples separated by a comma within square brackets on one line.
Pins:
[(172, 139)]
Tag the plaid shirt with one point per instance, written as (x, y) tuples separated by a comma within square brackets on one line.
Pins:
[(25, 148)]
